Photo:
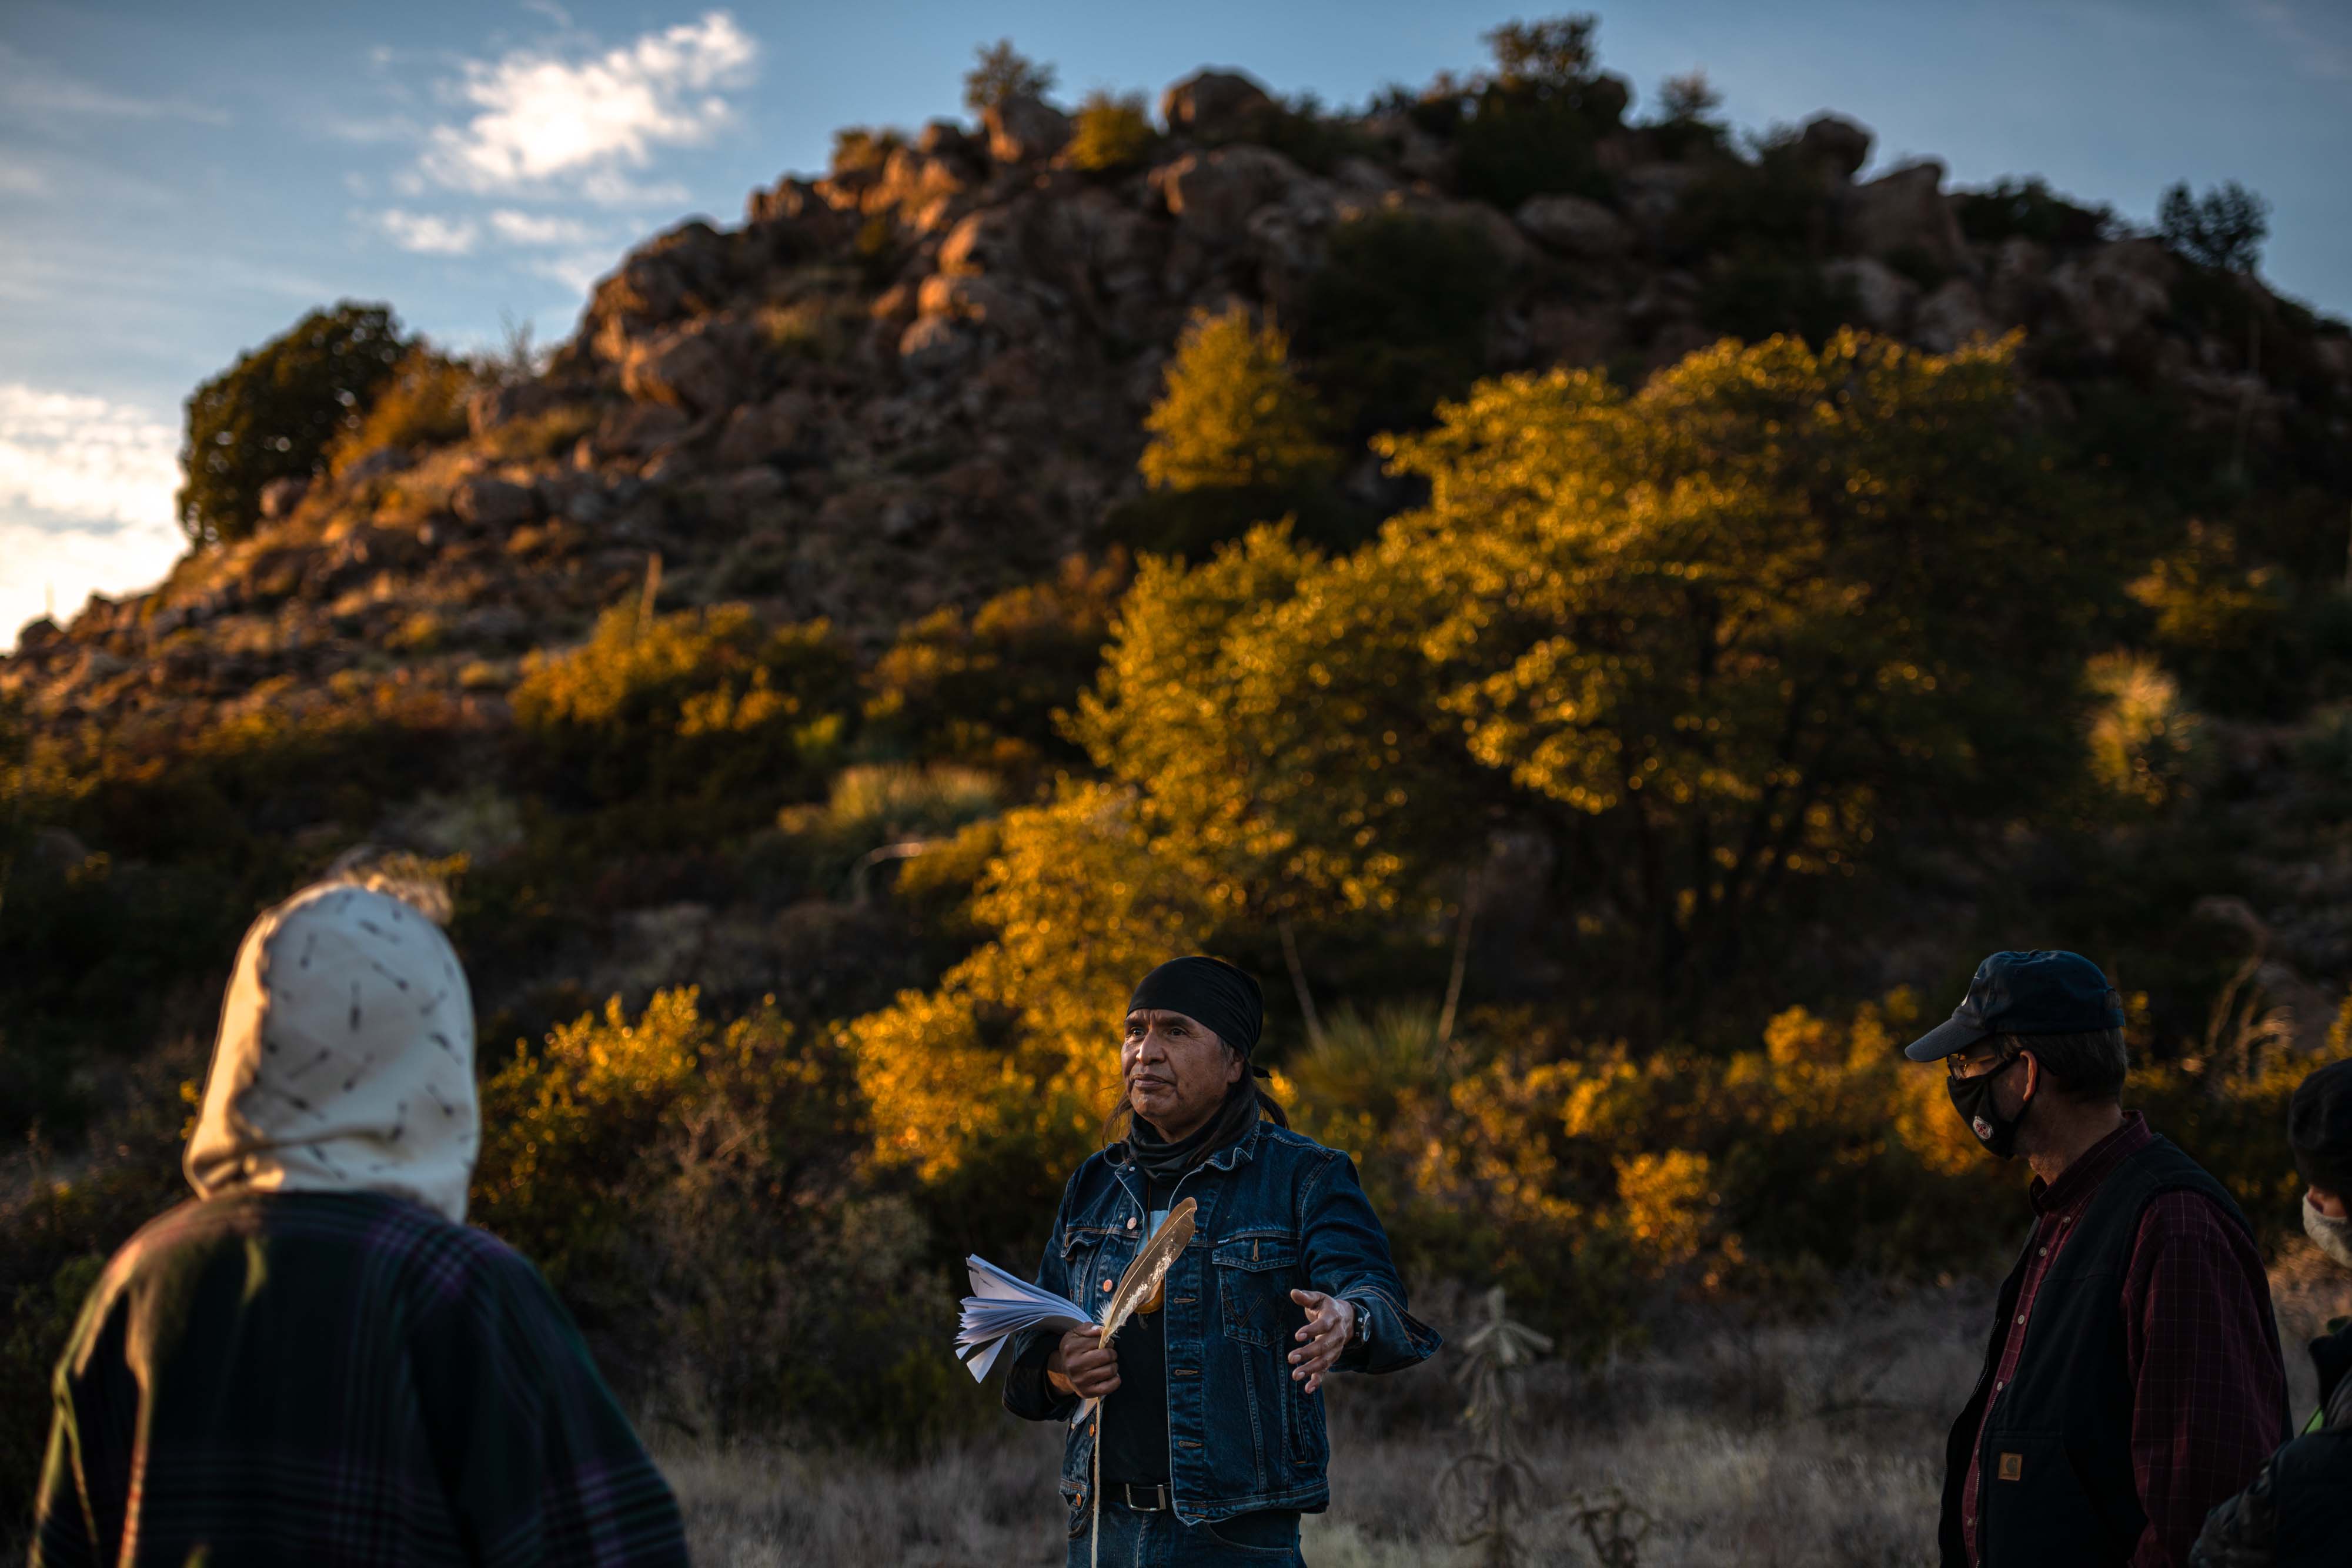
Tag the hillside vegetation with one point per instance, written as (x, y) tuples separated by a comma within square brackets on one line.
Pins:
[(1609, 617)]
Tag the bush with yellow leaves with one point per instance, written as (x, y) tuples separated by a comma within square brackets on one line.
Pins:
[(710, 706), (695, 1191), (423, 405), (1232, 415), (1110, 133)]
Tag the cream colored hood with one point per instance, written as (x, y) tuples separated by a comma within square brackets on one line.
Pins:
[(345, 1062)]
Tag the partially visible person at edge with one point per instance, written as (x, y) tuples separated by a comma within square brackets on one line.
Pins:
[(1211, 1420), (2132, 1379), (317, 1362), (2298, 1512)]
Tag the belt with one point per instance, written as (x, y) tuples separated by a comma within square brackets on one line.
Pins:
[(1142, 1499)]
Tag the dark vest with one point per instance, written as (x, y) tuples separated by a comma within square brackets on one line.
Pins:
[(2055, 1481)]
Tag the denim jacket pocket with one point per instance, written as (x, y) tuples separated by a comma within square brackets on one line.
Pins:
[(1092, 1256), (1256, 1273)]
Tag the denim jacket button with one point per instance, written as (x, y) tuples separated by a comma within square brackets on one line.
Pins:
[(1107, 1284)]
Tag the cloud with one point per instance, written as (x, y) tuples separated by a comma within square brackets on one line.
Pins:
[(575, 269), (30, 87), (542, 122), (538, 229), (85, 499), (428, 233), (2320, 40)]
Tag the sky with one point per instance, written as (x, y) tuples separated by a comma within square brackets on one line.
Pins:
[(179, 183)]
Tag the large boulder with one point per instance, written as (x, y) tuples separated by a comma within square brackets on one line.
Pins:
[(759, 432), (2111, 293), (1951, 316), (1576, 226), (1211, 194), (1025, 130), (1883, 295), (489, 502), (1216, 105), (1834, 144), (640, 429), (984, 301), (936, 345), (1903, 216), (681, 367), (788, 198), (1653, 191), (669, 276), (988, 241)]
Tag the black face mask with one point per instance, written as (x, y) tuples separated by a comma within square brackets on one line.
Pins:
[(1972, 1098)]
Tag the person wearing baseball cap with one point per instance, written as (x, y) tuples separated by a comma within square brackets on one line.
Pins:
[(2298, 1512), (2133, 1377)]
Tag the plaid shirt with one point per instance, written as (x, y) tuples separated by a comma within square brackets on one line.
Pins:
[(2200, 1347), (337, 1379)]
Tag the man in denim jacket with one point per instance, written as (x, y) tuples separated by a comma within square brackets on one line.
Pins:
[(1212, 1419)]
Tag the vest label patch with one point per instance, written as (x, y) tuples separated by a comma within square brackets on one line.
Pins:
[(2012, 1466)]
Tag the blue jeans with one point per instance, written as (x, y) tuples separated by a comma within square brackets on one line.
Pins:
[(1131, 1538)]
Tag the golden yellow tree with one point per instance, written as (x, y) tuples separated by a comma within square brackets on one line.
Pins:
[(1232, 415)]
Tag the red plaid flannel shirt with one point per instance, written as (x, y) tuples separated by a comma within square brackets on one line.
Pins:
[(2208, 1386)]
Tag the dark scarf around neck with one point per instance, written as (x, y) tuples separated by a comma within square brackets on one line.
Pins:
[(1164, 1161)]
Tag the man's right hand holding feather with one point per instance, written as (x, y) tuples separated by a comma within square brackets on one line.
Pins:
[(1082, 1365)]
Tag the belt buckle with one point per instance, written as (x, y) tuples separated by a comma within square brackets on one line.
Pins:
[(1158, 1494)]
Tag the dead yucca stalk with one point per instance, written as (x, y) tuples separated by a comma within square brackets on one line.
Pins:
[(1496, 1479)]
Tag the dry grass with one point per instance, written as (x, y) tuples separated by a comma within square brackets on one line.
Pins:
[(1816, 1444), (1758, 1444)]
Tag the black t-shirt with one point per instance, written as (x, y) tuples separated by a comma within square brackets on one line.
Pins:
[(1135, 1417)]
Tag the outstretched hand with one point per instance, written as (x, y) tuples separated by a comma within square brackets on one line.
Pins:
[(1330, 1323)]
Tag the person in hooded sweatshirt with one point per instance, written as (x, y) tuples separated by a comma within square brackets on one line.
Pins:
[(2297, 1514), (317, 1361)]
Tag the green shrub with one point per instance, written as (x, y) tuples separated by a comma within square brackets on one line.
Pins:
[(423, 405), (708, 705), (876, 804), (1755, 294), (1111, 133), (983, 689), (1685, 123), (1772, 203), (1003, 72), (2029, 209), (1535, 122), (692, 1191), (856, 148), (1397, 319), (2224, 229), (275, 412), (2224, 624)]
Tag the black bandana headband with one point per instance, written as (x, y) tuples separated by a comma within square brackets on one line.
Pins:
[(1210, 992)]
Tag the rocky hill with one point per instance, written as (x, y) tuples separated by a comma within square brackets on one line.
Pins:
[(919, 379)]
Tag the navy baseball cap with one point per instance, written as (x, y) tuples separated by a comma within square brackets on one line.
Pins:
[(2046, 992)]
